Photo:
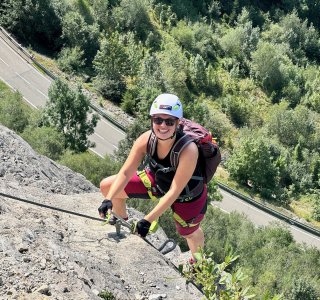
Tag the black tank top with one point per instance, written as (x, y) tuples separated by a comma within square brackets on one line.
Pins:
[(164, 179)]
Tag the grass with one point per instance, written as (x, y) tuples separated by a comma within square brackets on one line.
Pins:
[(4, 90), (303, 209), (47, 62)]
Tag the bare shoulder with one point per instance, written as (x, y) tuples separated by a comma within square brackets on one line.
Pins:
[(142, 141), (190, 151)]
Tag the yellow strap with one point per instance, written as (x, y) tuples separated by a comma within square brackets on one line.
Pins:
[(182, 222), (147, 183), (154, 226)]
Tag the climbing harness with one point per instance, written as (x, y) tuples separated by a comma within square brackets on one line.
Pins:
[(182, 222), (148, 185)]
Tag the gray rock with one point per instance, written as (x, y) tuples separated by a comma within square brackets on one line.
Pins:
[(47, 254)]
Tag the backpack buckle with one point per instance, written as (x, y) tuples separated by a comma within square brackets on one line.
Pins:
[(185, 199), (166, 170)]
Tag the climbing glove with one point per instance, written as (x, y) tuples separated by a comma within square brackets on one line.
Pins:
[(142, 227), (104, 207)]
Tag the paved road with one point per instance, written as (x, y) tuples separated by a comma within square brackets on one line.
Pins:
[(23, 77), (260, 218), (20, 75)]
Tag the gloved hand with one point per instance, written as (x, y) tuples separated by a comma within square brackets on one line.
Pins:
[(105, 206), (142, 227)]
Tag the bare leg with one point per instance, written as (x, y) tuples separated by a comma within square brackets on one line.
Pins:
[(195, 240), (119, 202)]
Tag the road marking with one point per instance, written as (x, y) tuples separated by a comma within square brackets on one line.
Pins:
[(304, 232), (43, 76), (113, 126), (4, 61), (26, 62), (44, 95), (272, 217), (23, 78), (248, 205), (225, 211), (91, 149), (101, 137), (8, 84), (15, 53)]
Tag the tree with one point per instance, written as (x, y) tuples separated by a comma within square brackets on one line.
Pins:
[(297, 154), (253, 160), (316, 172), (316, 207), (133, 16), (197, 71), (238, 108), (174, 67), (165, 16), (150, 75), (216, 281), (112, 66), (71, 60), (239, 42), (302, 290), (266, 65), (77, 33), (101, 13), (292, 126), (303, 39), (33, 21), (68, 111), (312, 95), (197, 38), (14, 113)]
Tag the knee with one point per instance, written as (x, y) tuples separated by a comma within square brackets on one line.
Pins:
[(195, 234), (187, 232), (105, 185)]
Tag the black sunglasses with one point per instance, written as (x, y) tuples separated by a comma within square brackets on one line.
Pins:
[(159, 121)]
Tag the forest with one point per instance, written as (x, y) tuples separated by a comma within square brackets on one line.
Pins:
[(247, 70)]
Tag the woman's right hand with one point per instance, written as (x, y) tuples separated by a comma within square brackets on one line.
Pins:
[(104, 208)]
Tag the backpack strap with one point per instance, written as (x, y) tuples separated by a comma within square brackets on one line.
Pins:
[(178, 147), (181, 144), (152, 144)]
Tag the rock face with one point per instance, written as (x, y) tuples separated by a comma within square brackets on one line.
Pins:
[(48, 254)]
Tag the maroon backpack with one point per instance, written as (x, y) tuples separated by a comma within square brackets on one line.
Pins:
[(209, 153)]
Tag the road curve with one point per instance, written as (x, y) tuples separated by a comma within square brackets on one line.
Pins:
[(21, 76), (260, 218)]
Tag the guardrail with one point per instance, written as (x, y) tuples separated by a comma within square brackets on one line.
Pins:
[(29, 58), (271, 211)]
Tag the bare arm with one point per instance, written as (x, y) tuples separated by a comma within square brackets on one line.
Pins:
[(187, 164), (136, 155)]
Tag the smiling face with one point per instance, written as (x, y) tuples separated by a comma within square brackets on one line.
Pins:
[(164, 126)]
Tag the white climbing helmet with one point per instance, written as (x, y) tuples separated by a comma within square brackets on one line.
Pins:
[(167, 104)]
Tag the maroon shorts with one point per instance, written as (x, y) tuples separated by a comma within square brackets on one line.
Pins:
[(191, 212)]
